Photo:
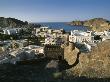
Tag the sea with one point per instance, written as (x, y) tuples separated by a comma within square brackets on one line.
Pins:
[(63, 25)]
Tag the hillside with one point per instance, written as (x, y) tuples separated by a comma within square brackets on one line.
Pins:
[(91, 67), (95, 64), (97, 24), (12, 22)]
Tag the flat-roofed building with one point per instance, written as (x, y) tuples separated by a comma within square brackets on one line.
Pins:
[(80, 36)]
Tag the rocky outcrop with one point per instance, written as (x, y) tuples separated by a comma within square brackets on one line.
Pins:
[(70, 56), (94, 64), (97, 24), (77, 23)]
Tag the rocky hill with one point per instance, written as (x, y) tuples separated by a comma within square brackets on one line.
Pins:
[(97, 24), (12, 22), (95, 64)]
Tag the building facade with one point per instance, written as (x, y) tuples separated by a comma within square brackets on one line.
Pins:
[(53, 51), (79, 36)]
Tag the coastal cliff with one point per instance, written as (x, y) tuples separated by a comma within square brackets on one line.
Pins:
[(97, 24)]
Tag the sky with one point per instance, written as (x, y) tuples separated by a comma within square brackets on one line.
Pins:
[(55, 10)]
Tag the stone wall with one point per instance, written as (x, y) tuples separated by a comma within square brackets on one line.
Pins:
[(53, 51)]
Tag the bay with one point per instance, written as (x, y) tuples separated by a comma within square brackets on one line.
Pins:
[(63, 25)]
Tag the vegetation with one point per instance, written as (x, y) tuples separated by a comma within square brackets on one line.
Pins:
[(77, 23), (12, 22), (8, 37), (15, 23), (97, 24)]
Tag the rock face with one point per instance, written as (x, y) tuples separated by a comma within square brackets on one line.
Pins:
[(97, 24), (69, 54), (71, 46), (93, 64)]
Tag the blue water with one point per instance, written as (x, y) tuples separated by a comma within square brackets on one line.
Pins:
[(61, 25)]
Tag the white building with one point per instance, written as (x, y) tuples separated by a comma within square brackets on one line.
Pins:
[(99, 33), (44, 28), (54, 38), (11, 31), (59, 31), (36, 49), (51, 40), (80, 36), (42, 31), (81, 33), (29, 52), (107, 33), (37, 31)]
